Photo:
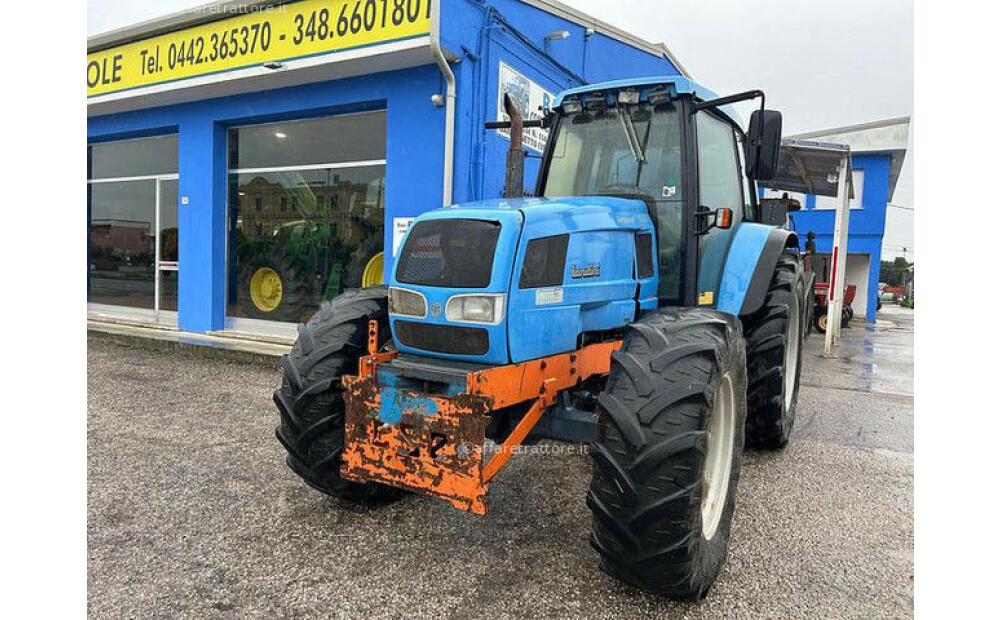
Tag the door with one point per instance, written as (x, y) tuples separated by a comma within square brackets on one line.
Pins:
[(166, 246), (720, 185)]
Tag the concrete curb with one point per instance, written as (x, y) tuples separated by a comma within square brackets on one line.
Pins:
[(236, 348)]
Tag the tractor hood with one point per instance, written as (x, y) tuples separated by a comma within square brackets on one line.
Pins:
[(502, 281)]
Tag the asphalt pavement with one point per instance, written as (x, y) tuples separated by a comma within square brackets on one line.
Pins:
[(192, 512)]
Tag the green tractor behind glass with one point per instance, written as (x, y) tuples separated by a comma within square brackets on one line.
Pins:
[(299, 244)]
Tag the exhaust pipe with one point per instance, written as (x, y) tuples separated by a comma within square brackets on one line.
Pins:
[(514, 183)]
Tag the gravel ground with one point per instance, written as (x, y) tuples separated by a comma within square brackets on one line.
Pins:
[(192, 513)]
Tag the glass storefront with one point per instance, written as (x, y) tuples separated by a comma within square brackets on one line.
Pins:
[(306, 213), (132, 212)]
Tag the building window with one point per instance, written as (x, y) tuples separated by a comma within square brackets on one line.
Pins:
[(132, 210), (830, 202), (322, 183)]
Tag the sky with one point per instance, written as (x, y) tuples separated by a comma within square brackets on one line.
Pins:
[(821, 64)]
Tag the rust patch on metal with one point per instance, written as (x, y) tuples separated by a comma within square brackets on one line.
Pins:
[(439, 454), (436, 445)]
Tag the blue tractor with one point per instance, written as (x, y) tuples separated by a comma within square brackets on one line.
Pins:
[(637, 303)]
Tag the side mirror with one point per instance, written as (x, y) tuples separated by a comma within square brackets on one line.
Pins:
[(763, 144)]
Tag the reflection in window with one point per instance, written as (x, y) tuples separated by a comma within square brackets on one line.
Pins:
[(306, 213), (121, 232), (121, 243), (315, 235)]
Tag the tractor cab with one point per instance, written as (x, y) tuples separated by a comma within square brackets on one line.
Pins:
[(678, 148)]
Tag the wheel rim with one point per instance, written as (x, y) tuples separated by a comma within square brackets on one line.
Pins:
[(372, 275), (718, 458), (792, 339), (265, 289)]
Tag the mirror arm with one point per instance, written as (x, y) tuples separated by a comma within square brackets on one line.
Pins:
[(721, 101)]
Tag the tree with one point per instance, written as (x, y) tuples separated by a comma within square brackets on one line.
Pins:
[(894, 273)]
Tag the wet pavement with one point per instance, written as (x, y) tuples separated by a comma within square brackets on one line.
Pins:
[(191, 512)]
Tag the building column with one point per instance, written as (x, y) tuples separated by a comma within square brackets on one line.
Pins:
[(202, 226), (874, 271)]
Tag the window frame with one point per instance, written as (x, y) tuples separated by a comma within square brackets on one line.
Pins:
[(233, 320)]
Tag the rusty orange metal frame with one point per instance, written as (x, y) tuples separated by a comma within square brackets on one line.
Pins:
[(438, 447)]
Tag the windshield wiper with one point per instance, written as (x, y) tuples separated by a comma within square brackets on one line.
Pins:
[(642, 150), (633, 139)]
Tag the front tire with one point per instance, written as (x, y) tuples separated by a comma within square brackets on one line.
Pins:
[(774, 357), (310, 400), (663, 490)]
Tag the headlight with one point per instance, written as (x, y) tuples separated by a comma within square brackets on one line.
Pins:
[(475, 308), (407, 303)]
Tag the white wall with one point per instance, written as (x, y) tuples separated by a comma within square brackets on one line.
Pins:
[(857, 273), (831, 202)]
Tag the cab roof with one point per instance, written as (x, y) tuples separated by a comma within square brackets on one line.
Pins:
[(677, 85)]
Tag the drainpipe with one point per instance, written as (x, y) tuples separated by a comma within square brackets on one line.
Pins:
[(449, 104)]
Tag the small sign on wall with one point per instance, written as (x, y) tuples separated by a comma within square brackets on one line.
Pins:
[(399, 227), (530, 98)]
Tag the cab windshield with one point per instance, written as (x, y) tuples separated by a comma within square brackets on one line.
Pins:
[(626, 151)]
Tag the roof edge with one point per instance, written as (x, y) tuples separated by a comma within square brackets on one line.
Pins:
[(887, 122), (569, 13)]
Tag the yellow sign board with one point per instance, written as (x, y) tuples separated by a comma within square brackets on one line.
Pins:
[(268, 34)]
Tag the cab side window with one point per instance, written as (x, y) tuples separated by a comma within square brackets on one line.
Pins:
[(720, 186)]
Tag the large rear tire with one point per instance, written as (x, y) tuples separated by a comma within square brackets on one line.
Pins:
[(274, 286), (774, 357), (668, 452), (310, 400)]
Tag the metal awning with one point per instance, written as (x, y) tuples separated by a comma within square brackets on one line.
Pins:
[(810, 168), (823, 169)]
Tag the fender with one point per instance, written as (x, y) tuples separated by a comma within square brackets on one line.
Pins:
[(753, 255)]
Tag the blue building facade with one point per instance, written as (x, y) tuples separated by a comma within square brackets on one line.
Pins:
[(482, 37), (878, 149)]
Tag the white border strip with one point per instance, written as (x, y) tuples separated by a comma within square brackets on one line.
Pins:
[(344, 164), (145, 177)]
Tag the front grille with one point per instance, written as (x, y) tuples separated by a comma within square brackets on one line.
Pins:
[(449, 253), (443, 338)]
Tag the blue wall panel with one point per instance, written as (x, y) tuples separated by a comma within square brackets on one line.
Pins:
[(486, 33), (202, 240), (867, 224)]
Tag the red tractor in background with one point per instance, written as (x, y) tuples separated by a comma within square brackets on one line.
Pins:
[(821, 291)]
